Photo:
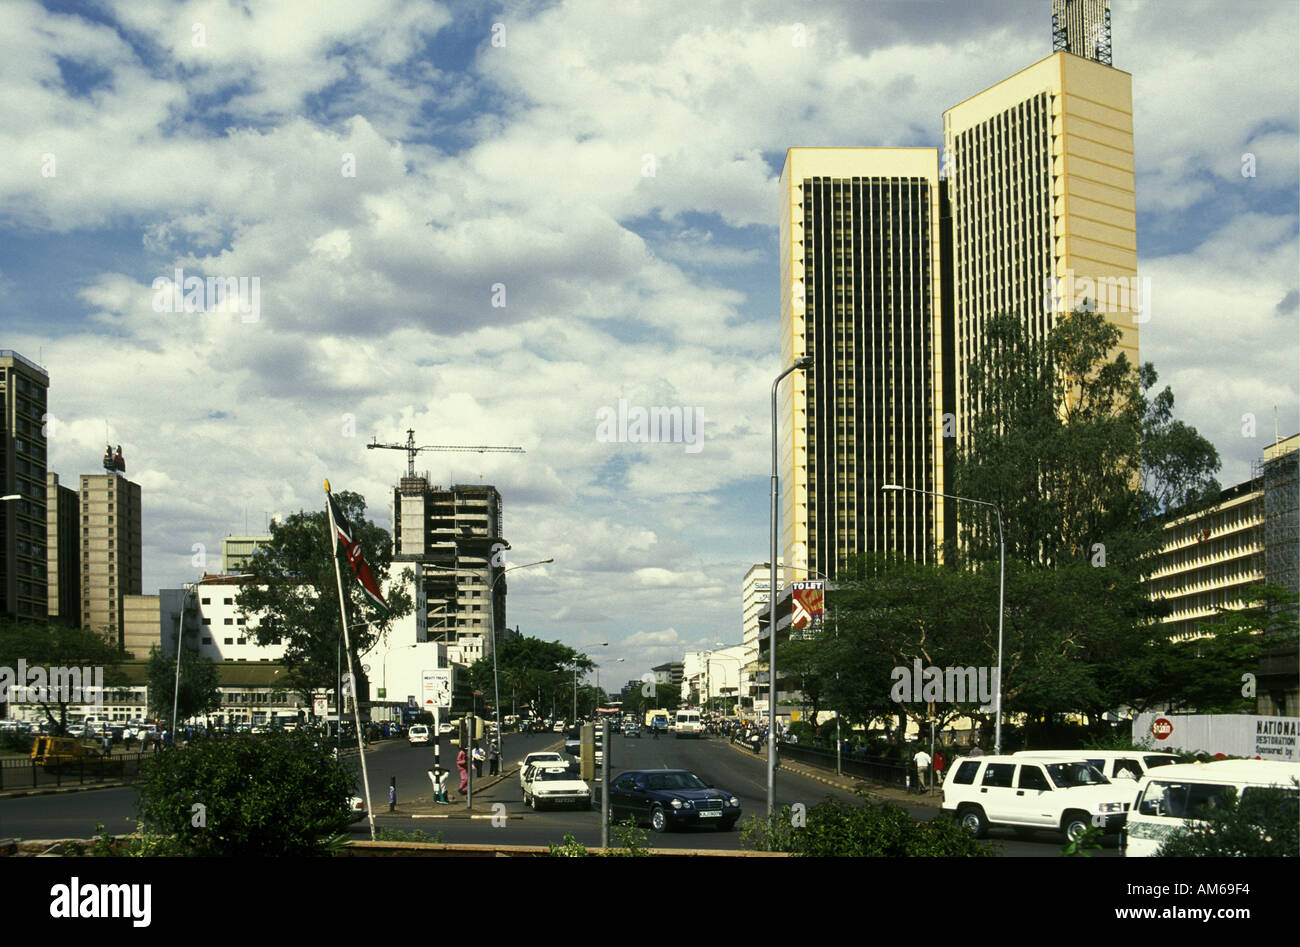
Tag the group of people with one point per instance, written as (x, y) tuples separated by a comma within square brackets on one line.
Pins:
[(491, 756)]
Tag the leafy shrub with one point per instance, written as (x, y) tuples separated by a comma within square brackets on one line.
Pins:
[(272, 794), (415, 835), (568, 847), (1266, 822), (834, 828)]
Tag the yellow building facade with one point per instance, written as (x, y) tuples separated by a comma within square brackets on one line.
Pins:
[(860, 278), (1041, 172)]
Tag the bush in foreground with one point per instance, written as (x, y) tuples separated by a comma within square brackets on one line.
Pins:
[(1265, 822), (270, 794), (868, 830)]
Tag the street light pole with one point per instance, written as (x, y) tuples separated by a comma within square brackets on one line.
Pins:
[(800, 363), (1002, 592), (492, 618)]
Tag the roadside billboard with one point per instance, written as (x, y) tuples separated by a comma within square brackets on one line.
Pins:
[(1245, 735)]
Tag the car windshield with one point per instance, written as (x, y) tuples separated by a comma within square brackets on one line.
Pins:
[(1067, 775), (551, 775), (674, 781)]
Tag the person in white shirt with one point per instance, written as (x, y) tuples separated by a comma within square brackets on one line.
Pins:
[(922, 760)]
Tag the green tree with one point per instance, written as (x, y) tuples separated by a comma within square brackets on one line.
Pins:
[(1231, 645), (266, 795), (197, 693), (55, 645), (293, 593), (1073, 446)]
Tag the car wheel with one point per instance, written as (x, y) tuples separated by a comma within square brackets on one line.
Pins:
[(1074, 825), (658, 821), (972, 817)]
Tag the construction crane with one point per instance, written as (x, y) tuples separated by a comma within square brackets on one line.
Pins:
[(412, 450)]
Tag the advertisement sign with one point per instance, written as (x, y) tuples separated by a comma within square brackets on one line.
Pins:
[(1244, 735), (319, 706), (437, 689), (807, 603)]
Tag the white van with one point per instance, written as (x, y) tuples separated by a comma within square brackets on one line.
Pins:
[(687, 724), (1168, 797), (1114, 764)]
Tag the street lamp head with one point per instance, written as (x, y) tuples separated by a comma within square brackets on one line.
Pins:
[(891, 486), (805, 362)]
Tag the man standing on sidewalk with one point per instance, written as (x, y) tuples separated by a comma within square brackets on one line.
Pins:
[(922, 760)]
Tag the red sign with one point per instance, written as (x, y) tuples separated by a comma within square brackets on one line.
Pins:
[(1161, 728), (807, 603)]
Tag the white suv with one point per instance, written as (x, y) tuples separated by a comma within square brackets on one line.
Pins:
[(1026, 794)]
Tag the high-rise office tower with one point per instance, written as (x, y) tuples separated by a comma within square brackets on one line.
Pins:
[(1082, 27), (23, 580), (860, 277), (63, 547), (111, 547), (1040, 172)]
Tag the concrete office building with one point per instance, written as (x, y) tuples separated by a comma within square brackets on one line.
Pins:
[(860, 276), (23, 527), (1210, 560), (237, 550), (1040, 172), (111, 550), (63, 552), (452, 539)]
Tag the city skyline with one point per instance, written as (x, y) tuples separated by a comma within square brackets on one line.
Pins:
[(491, 226)]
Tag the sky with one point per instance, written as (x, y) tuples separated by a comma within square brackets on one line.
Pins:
[(491, 223)]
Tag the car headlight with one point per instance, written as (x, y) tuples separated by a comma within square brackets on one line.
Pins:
[(733, 801), (677, 803), (1111, 807)]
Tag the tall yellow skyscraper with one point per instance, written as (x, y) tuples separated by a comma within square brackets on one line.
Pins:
[(860, 279), (1040, 172)]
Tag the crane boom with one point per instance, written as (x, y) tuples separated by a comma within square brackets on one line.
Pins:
[(412, 450)]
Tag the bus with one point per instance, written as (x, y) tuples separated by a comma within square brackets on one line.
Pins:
[(687, 724)]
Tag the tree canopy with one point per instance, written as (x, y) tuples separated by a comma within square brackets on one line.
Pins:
[(293, 593), (197, 693)]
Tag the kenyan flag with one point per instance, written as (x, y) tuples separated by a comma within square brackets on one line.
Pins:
[(353, 551)]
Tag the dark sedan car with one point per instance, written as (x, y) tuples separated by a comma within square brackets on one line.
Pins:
[(671, 797)]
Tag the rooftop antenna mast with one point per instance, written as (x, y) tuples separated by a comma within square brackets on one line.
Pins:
[(412, 450)]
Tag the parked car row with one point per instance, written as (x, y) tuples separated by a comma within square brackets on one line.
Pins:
[(1142, 795)]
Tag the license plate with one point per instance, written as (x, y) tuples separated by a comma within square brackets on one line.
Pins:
[(710, 815)]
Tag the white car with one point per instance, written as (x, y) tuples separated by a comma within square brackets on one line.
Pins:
[(1114, 764), (1171, 797), (418, 734), (540, 757), (548, 785), (1024, 793)]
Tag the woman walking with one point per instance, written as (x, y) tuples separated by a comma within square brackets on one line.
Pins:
[(462, 765)]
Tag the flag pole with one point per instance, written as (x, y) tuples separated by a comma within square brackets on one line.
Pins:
[(347, 647)]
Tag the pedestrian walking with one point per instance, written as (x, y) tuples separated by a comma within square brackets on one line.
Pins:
[(940, 761), (108, 744), (494, 759), (463, 766), (392, 796), (922, 760), (479, 757)]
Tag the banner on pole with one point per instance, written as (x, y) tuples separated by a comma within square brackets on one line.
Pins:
[(807, 603)]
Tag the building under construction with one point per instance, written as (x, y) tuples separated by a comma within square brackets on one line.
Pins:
[(452, 537)]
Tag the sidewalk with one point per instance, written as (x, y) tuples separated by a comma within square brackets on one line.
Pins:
[(876, 792)]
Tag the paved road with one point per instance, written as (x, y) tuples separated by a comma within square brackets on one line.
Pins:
[(74, 815)]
